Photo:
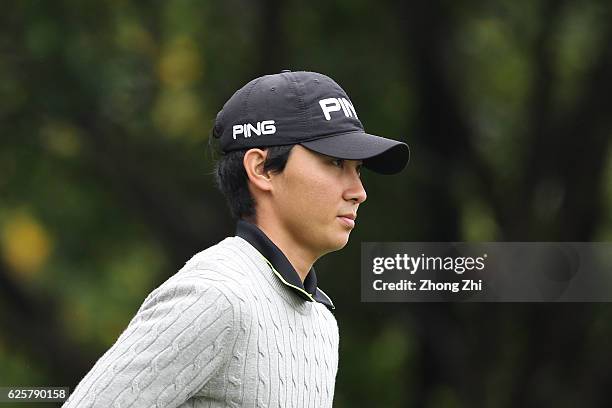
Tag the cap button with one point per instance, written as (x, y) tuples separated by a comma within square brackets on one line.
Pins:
[(285, 70)]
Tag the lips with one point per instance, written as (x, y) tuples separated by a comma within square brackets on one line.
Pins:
[(348, 219)]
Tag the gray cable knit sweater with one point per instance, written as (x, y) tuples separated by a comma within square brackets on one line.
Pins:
[(222, 332)]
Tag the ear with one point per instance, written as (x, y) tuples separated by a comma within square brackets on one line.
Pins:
[(254, 166)]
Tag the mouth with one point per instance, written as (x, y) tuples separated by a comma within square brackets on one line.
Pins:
[(348, 220)]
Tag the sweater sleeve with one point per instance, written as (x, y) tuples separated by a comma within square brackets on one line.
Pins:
[(178, 341)]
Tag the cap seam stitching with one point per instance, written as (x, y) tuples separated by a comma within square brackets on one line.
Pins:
[(248, 95), (301, 104)]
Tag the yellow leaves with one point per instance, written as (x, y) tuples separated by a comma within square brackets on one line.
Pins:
[(26, 245), (180, 64), (133, 37), (178, 113), (178, 110)]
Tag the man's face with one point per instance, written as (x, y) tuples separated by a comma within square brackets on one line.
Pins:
[(312, 194)]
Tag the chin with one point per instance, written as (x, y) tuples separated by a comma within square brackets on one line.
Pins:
[(339, 243), (335, 240)]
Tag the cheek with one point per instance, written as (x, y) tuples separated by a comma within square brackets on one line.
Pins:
[(312, 200), (319, 199)]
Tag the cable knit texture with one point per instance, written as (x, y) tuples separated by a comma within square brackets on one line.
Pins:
[(222, 332)]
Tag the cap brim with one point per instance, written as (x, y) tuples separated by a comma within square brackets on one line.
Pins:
[(379, 154)]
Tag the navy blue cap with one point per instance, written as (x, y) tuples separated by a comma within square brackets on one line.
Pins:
[(304, 108)]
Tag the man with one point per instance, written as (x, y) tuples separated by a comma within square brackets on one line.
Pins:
[(243, 323)]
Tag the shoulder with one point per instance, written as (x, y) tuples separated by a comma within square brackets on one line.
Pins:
[(214, 277), (197, 292), (233, 254)]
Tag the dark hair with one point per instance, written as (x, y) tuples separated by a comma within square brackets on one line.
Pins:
[(232, 180)]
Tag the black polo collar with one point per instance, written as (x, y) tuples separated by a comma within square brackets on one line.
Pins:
[(281, 266)]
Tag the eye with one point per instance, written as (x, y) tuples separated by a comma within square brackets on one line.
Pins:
[(338, 163)]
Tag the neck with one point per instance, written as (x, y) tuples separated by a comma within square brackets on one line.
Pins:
[(300, 258)]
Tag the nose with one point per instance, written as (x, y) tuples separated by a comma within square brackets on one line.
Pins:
[(355, 190)]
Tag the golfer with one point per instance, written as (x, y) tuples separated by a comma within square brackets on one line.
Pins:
[(244, 323)]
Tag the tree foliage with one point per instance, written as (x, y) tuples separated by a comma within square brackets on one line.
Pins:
[(106, 186)]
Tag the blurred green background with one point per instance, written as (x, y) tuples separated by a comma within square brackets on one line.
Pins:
[(106, 187)]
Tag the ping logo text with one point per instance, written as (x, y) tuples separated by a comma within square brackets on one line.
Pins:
[(265, 127), (335, 105)]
